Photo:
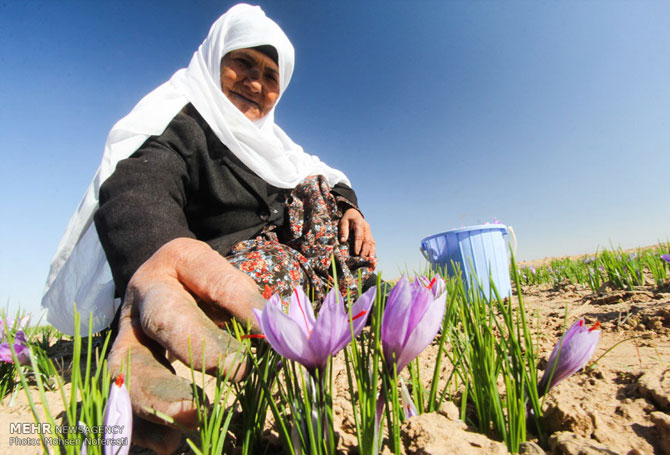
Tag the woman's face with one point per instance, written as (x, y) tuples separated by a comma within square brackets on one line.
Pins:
[(250, 80)]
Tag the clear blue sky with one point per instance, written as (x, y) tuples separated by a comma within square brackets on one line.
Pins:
[(553, 117)]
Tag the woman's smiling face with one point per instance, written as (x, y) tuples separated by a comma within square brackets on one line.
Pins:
[(250, 80)]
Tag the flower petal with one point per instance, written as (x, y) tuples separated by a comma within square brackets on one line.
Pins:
[(360, 311), (5, 353), (285, 336), (379, 413), (436, 284), (330, 327), (575, 352), (574, 329), (408, 404), (395, 321), (421, 299), (301, 311), (20, 337), (424, 332), (577, 327), (574, 356), (20, 348), (22, 353), (119, 414)]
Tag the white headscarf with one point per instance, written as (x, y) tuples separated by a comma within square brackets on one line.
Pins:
[(79, 271)]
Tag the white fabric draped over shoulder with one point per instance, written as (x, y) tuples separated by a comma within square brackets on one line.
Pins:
[(79, 272)]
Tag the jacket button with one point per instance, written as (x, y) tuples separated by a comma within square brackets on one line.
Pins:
[(265, 216)]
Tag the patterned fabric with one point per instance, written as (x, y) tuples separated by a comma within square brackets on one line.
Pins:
[(301, 253)]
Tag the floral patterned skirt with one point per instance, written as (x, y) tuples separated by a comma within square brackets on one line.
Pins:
[(303, 252)]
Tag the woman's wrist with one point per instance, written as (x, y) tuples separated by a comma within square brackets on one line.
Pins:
[(344, 204)]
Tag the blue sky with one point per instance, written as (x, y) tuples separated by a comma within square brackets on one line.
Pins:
[(553, 117)]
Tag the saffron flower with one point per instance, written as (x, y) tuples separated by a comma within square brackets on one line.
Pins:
[(84, 444), (118, 414), (437, 285), (666, 258), (408, 405), (301, 337), (20, 323), (570, 355), (20, 348), (412, 318)]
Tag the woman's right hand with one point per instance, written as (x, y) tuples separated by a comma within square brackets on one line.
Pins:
[(173, 303), (363, 244)]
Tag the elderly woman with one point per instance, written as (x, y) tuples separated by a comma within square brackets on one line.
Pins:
[(201, 206)]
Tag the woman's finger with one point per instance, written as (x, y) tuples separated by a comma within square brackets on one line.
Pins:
[(150, 378), (368, 249), (359, 237), (168, 313), (363, 243), (365, 249), (208, 275), (162, 293), (344, 228)]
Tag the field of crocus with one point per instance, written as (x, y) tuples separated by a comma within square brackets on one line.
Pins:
[(576, 362)]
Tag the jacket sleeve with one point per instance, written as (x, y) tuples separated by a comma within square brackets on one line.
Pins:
[(345, 197), (142, 208)]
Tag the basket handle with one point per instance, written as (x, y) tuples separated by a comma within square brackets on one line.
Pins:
[(423, 252), (512, 241)]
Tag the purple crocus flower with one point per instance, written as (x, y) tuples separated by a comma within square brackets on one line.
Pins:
[(436, 285), (20, 323), (20, 348), (412, 317), (576, 347), (119, 414), (84, 444), (408, 405), (666, 258), (301, 337)]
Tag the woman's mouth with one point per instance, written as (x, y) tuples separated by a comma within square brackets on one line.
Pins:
[(245, 99)]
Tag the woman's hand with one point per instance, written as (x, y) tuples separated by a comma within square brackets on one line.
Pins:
[(363, 242), (173, 303)]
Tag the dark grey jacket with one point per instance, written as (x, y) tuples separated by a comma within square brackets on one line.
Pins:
[(184, 183)]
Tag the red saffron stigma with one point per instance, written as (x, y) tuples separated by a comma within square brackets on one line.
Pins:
[(432, 282), (119, 380), (297, 298), (581, 323), (595, 326), (253, 335), (362, 313), (267, 293)]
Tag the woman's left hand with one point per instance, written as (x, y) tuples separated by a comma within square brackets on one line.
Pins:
[(363, 242)]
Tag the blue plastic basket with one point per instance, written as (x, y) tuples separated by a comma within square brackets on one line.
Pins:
[(480, 252)]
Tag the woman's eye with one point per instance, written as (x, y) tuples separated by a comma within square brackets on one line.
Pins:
[(246, 63)]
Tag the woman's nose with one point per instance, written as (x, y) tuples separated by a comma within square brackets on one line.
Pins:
[(255, 85), (253, 78)]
